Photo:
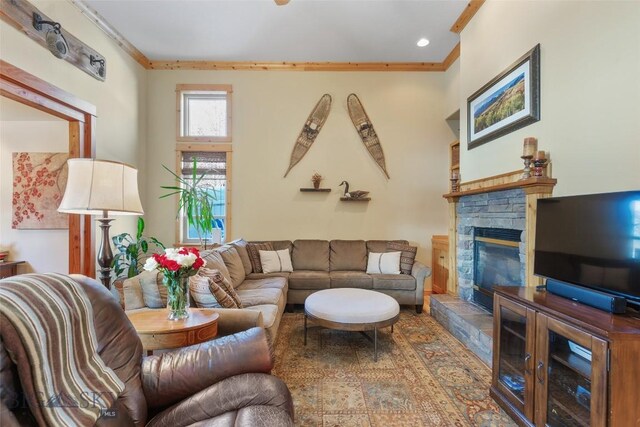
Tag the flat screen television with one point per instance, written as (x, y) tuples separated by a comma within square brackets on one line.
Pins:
[(591, 241)]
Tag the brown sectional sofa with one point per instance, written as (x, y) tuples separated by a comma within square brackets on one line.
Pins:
[(323, 264), (317, 264)]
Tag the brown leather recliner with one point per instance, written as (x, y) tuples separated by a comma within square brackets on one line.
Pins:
[(225, 382)]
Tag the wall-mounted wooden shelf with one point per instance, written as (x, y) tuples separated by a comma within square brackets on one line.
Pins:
[(349, 199), (315, 190)]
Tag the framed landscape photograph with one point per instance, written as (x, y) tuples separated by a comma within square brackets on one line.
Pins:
[(508, 102)]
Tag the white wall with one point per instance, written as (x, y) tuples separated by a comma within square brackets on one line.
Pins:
[(590, 114), (25, 129), (120, 100), (269, 109)]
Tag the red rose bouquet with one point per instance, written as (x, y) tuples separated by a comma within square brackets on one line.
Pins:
[(177, 265)]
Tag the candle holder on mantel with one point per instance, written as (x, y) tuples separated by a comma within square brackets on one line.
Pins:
[(539, 164), (530, 149), (526, 172), (455, 180)]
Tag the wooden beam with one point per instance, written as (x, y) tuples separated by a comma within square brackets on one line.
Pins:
[(297, 66), (20, 15), (466, 15), (110, 31), (451, 58)]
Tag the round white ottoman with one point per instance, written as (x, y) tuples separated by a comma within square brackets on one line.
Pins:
[(350, 309)]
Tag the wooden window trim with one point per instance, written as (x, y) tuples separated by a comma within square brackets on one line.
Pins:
[(205, 87), (227, 148)]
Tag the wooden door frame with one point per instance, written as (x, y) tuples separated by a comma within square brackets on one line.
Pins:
[(30, 90)]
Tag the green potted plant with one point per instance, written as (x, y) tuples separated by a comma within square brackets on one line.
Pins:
[(131, 253), (196, 200)]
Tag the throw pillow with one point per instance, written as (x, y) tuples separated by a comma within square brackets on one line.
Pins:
[(217, 280), (241, 247), (254, 254), (233, 262), (201, 292), (384, 263), (215, 262), (407, 257), (276, 261), (132, 294), (154, 291)]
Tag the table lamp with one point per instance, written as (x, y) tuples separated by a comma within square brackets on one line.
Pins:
[(101, 187)]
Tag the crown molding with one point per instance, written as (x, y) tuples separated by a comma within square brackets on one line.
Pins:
[(466, 15), (109, 30), (297, 66), (148, 64)]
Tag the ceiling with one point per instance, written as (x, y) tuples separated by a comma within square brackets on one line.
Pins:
[(301, 31)]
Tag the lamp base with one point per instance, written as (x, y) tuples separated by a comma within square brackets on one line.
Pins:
[(105, 255)]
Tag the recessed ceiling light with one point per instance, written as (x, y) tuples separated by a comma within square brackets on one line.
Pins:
[(422, 42)]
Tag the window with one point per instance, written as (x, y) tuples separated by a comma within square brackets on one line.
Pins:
[(214, 161), (204, 113)]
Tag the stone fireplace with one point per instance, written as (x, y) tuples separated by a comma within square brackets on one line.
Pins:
[(491, 234), (491, 243)]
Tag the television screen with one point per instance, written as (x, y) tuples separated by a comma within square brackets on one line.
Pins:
[(591, 240)]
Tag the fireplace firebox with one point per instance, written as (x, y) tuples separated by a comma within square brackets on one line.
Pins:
[(496, 262)]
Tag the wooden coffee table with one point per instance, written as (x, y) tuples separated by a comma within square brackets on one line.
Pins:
[(157, 332)]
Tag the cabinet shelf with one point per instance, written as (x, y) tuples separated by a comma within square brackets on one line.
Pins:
[(566, 414), (574, 362), (514, 332)]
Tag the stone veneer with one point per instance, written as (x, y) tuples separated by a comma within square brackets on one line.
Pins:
[(499, 209)]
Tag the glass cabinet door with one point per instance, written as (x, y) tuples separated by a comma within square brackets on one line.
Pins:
[(513, 350), (570, 375)]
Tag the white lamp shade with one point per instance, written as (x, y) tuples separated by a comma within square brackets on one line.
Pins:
[(96, 186)]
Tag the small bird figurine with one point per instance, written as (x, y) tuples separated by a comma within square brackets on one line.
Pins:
[(356, 194)]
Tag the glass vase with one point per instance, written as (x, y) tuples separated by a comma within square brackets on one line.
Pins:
[(177, 297)]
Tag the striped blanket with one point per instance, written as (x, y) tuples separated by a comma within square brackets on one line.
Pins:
[(54, 319)]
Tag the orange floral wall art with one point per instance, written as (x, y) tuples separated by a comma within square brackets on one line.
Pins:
[(39, 180)]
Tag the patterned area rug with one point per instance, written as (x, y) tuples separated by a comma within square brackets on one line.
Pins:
[(423, 377)]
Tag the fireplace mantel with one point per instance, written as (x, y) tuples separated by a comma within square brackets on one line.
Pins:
[(534, 188), (505, 181)]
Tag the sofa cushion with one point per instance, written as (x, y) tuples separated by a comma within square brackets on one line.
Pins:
[(311, 255), (215, 262), (241, 247), (350, 279), (254, 254), (407, 257), (258, 276), (276, 261), (269, 313), (348, 255), (252, 297), (266, 283), (305, 279), (381, 245), (233, 262), (400, 282)]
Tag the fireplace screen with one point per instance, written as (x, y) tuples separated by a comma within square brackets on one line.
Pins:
[(496, 262)]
